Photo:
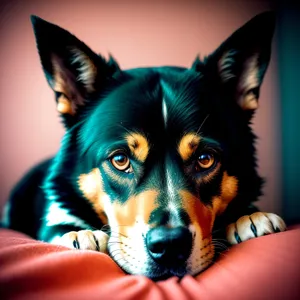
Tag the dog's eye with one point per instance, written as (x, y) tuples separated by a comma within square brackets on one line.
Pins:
[(205, 161), (121, 162)]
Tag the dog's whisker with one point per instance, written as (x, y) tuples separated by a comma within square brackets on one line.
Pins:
[(118, 260), (215, 242), (220, 240), (115, 242), (221, 253), (198, 131), (130, 133), (220, 249), (113, 251), (220, 245), (117, 234)]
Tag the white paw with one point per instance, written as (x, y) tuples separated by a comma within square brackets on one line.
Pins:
[(84, 240), (254, 225)]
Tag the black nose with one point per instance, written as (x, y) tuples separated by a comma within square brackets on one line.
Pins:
[(169, 246)]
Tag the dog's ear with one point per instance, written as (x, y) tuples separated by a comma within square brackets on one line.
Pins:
[(72, 69), (241, 61)]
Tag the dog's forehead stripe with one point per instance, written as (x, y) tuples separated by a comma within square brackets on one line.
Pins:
[(138, 145), (164, 112), (188, 144)]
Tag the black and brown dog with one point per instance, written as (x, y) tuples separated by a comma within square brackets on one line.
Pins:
[(163, 157)]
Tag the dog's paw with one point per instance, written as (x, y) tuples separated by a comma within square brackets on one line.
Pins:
[(85, 240), (254, 225)]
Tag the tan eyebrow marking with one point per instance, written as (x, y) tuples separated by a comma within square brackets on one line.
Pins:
[(188, 144), (138, 145)]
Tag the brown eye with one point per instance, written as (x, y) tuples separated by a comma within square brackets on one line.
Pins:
[(205, 160), (121, 162)]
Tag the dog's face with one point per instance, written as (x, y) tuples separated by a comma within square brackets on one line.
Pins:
[(159, 153)]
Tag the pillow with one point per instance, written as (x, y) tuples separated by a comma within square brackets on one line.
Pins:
[(262, 268)]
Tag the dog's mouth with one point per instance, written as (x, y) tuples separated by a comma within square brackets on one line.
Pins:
[(177, 271), (136, 255), (157, 272), (150, 268)]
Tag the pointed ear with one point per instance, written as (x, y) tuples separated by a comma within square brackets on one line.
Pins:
[(242, 60), (72, 69)]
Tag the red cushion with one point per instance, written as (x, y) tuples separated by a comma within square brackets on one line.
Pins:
[(263, 268)]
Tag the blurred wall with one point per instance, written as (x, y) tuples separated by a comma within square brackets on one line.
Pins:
[(289, 67), (137, 33)]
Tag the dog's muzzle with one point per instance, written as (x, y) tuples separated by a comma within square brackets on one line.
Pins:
[(169, 246)]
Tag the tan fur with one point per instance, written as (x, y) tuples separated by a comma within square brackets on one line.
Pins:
[(201, 216), (138, 145), (229, 188), (91, 186), (187, 145), (136, 208), (62, 84), (248, 81), (64, 106), (248, 101)]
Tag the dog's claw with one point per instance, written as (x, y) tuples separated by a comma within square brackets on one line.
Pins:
[(254, 225), (85, 240), (76, 244)]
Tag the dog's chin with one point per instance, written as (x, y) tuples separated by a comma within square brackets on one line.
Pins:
[(167, 273), (137, 261), (157, 272), (163, 274)]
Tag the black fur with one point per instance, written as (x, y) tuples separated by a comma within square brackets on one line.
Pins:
[(197, 100)]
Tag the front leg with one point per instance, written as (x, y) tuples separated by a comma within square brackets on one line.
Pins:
[(254, 225), (61, 227), (76, 238)]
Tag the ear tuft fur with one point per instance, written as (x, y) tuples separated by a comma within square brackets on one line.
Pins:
[(242, 60), (72, 69)]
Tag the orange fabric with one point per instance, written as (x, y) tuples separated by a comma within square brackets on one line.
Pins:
[(263, 268)]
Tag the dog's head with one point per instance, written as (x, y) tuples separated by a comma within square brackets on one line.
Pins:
[(160, 153)]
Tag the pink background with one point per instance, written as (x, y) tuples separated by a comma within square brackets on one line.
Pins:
[(137, 33)]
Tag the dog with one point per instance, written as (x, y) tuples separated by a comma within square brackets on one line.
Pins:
[(155, 162)]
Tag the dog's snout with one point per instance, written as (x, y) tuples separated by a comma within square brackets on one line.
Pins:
[(169, 246)]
